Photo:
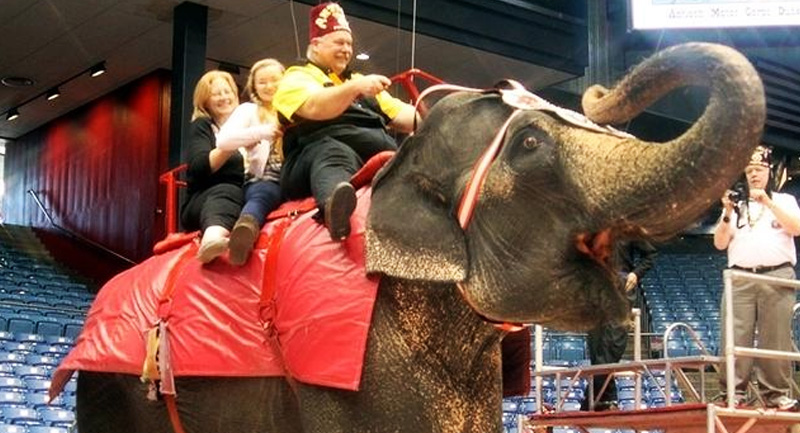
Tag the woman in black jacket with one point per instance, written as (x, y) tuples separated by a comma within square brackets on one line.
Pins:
[(214, 176)]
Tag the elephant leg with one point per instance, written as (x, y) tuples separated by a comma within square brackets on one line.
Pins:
[(109, 402), (116, 402)]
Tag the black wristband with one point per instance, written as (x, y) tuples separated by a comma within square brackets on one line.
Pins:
[(726, 219)]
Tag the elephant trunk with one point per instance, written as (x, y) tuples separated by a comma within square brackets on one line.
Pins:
[(658, 189)]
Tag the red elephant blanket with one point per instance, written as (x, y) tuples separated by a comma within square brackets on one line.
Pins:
[(323, 310)]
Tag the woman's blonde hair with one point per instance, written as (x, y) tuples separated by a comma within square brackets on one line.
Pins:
[(202, 92), (264, 113)]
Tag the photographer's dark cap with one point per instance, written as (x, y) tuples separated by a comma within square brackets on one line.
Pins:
[(761, 156)]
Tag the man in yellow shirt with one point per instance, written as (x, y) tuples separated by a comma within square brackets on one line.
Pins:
[(335, 120)]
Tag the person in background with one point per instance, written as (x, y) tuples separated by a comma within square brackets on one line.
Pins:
[(607, 343), (214, 176), (759, 238), (335, 120), (253, 127)]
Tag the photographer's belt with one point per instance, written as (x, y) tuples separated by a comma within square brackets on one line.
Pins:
[(762, 269)]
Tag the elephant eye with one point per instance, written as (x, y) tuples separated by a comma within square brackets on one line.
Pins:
[(530, 142)]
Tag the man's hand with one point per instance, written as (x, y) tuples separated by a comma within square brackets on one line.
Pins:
[(760, 196), (727, 204), (631, 281), (371, 85)]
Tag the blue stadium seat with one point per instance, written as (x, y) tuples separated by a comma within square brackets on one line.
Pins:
[(675, 348), (12, 384), (38, 400), (47, 325), (42, 360), (53, 350), (624, 381), (10, 428), (72, 328), (71, 386), (37, 385), (68, 400), (571, 406), (20, 324), (47, 429), (627, 394), (6, 370), (6, 336), (32, 372), (20, 415), (30, 338), (509, 418), (11, 399), (574, 394), (630, 404), (23, 348), (54, 340), (527, 405), (510, 405), (57, 417)]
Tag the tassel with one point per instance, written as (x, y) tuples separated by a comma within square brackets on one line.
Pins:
[(164, 364), (150, 366)]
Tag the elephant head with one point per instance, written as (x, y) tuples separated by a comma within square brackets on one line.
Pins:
[(558, 198)]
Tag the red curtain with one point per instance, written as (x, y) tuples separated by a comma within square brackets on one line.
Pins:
[(96, 169)]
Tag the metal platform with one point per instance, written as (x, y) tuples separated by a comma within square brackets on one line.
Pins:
[(682, 418)]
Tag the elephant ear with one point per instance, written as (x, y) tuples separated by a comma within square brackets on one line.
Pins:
[(411, 232)]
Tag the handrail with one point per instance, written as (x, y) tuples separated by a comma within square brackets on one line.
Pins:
[(170, 179), (406, 80), (74, 235)]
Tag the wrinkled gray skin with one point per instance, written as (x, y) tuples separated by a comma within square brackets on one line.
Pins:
[(433, 365)]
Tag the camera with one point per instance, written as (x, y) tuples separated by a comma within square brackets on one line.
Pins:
[(738, 193)]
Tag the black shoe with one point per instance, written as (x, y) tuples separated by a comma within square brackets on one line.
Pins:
[(243, 236), (338, 208)]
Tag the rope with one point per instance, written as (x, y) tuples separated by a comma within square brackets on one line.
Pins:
[(414, 35), (296, 33)]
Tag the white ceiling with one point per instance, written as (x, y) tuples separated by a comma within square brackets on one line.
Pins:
[(50, 41)]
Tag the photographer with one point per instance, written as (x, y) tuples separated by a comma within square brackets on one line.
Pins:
[(759, 239)]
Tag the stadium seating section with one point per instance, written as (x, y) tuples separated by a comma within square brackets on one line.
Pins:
[(42, 308)]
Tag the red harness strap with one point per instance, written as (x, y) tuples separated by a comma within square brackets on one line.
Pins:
[(268, 282), (172, 410), (269, 279), (157, 363), (467, 207)]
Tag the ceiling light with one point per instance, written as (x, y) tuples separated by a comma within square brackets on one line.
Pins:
[(12, 114), (15, 82), (97, 70), (362, 56), (53, 93)]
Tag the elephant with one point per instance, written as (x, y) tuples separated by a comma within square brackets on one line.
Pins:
[(538, 247)]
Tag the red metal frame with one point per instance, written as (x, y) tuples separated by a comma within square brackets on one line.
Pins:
[(170, 179), (172, 183), (406, 80)]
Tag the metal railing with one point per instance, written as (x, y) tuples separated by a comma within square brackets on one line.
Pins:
[(74, 235)]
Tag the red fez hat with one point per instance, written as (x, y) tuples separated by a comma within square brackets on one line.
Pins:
[(326, 18)]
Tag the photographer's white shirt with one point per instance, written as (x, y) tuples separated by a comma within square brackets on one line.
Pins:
[(762, 241)]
